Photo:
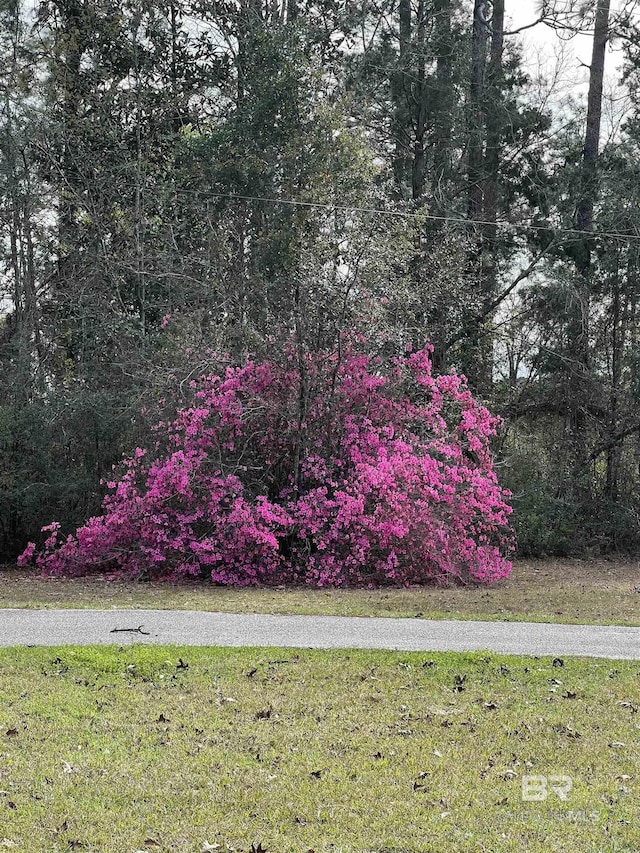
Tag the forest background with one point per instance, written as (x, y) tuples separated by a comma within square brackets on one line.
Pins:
[(191, 177)]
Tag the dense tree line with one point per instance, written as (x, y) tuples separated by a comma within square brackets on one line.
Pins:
[(180, 178)]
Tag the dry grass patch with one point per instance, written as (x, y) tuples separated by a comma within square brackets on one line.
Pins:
[(598, 591), (109, 750)]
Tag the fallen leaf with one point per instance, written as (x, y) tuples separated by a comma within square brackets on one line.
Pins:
[(419, 784), (264, 714), (507, 774), (459, 683), (566, 730)]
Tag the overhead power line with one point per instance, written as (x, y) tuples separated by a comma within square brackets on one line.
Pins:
[(576, 232)]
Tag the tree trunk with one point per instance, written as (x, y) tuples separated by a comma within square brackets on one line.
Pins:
[(72, 42), (495, 124), (441, 121), (420, 110), (29, 356), (579, 326), (401, 119), (484, 131), (442, 105), (476, 116), (494, 118), (617, 345)]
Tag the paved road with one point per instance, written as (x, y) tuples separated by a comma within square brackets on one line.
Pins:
[(184, 627)]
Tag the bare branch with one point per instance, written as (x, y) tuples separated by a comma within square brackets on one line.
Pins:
[(613, 442), (541, 20)]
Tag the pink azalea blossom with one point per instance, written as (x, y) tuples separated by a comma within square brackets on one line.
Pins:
[(395, 482)]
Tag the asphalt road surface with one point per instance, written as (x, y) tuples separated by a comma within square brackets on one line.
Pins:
[(184, 627)]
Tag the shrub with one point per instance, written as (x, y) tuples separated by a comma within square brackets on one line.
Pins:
[(53, 451), (334, 469)]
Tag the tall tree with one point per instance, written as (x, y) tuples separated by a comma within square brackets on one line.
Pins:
[(579, 350)]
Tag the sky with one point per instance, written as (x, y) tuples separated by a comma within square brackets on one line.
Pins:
[(566, 62), (522, 12)]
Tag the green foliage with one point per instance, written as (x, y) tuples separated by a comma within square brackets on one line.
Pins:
[(550, 520), (52, 456), (545, 525)]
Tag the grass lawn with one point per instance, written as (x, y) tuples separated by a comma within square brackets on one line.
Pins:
[(173, 749), (545, 591)]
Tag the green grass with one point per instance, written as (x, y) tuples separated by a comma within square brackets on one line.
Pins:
[(174, 749), (546, 591)]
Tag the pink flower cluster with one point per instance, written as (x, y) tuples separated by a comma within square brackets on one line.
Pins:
[(348, 471)]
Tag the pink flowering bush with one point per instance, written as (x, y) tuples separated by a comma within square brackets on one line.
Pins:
[(339, 470)]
